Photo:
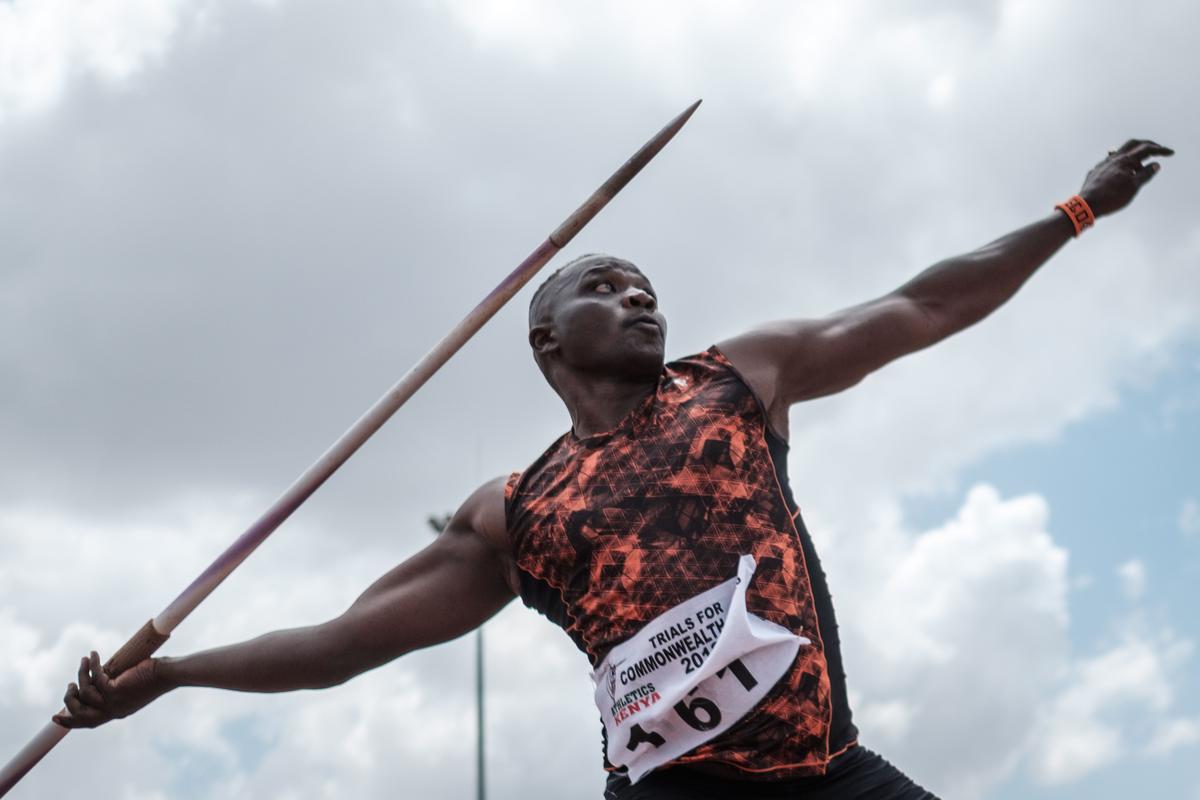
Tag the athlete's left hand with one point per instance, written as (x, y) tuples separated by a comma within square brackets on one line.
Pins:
[(1112, 184)]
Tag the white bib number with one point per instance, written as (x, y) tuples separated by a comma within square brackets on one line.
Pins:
[(689, 675)]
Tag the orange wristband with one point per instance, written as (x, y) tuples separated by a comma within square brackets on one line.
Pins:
[(1079, 212)]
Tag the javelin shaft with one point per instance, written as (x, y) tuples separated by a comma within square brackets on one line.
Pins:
[(152, 635), (341, 450)]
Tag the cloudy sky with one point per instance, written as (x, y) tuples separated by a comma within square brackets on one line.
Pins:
[(227, 227)]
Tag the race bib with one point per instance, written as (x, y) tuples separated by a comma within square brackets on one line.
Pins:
[(689, 675)]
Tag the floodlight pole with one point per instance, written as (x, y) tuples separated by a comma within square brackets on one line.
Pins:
[(438, 524)]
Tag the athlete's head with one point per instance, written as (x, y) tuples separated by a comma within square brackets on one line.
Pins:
[(597, 314)]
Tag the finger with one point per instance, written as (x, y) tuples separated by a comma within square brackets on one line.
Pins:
[(100, 678), (87, 692), (1143, 175), (1129, 145), (66, 720), (85, 680), (86, 719), (91, 698), (71, 700), (1148, 150)]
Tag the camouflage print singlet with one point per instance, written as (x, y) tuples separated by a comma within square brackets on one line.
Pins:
[(610, 531)]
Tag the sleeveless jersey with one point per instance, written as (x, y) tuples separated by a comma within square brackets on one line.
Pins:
[(610, 531)]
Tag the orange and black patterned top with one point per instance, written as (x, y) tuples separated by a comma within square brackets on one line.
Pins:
[(612, 530)]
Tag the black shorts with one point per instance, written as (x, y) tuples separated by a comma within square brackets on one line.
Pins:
[(857, 774)]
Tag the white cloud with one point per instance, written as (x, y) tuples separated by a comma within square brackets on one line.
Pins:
[(969, 622), (962, 623), (1173, 734), (46, 43), (1077, 749), (941, 91), (36, 671), (1081, 731), (888, 721), (541, 31), (1132, 575)]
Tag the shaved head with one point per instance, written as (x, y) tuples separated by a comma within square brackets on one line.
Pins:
[(582, 322), (542, 303)]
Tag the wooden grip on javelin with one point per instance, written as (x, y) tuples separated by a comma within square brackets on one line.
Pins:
[(140, 646)]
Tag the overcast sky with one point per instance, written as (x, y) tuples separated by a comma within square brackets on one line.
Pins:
[(227, 227)]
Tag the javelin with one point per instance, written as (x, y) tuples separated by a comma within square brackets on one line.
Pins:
[(155, 632)]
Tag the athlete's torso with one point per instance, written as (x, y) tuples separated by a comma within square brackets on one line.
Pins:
[(611, 531)]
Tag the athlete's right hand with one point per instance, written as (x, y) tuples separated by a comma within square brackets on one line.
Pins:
[(97, 698)]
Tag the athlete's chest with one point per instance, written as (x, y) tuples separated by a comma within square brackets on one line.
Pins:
[(629, 527), (698, 460)]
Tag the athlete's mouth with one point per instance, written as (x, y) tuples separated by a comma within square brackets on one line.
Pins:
[(644, 322)]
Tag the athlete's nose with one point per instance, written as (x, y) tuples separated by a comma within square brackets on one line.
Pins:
[(639, 298)]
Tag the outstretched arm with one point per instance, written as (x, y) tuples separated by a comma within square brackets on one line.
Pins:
[(794, 360), (445, 590)]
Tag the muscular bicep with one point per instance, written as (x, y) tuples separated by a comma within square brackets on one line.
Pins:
[(447, 589), (795, 360)]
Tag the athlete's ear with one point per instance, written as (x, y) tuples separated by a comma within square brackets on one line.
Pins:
[(542, 340)]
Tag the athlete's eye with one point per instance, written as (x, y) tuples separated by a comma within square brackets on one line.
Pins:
[(604, 286)]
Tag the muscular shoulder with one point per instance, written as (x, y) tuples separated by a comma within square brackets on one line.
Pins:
[(761, 374), (482, 515)]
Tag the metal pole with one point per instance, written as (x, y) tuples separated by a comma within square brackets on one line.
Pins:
[(155, 632), (438, 524), (480, 774)]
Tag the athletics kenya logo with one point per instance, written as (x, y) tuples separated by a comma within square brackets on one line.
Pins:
[(633, 702), (630, 703), (612, 680)]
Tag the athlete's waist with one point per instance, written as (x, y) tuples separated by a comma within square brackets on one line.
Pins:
[(715, 778)]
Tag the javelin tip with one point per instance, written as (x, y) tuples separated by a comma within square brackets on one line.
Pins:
[(566, 231), (671, 128)]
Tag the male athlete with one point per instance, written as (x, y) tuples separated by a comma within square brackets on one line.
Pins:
[(660, 532)]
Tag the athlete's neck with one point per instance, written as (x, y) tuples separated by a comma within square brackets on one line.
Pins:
[(597, 406)]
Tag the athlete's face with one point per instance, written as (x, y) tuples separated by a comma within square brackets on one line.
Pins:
[(605, 318)]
